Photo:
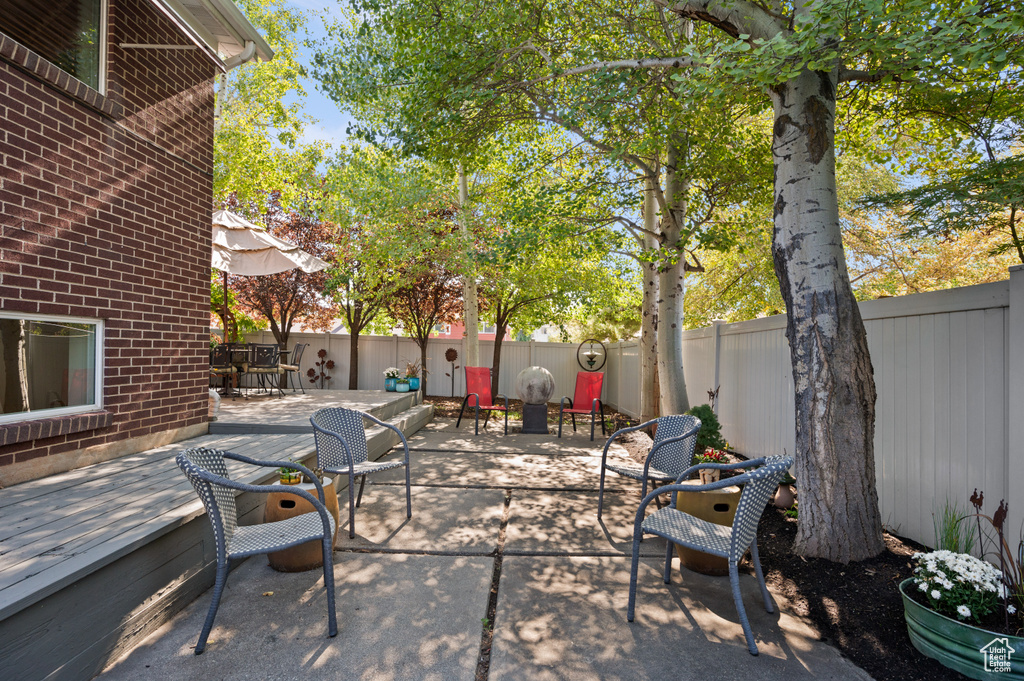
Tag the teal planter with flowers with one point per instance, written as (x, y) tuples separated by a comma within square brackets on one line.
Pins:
[(946, 602), (391, 379), (959, 645)]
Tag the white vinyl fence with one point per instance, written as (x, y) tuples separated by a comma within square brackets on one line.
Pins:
[(948, 419), (377, 353), (949, 373)]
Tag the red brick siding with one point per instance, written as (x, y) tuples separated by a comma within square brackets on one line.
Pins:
[(104, 212)]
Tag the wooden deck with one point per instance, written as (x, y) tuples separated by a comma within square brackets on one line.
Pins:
[(129, 534), (290, 414)]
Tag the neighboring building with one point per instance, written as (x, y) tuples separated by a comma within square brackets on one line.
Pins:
[(105, 222), (457, 330)]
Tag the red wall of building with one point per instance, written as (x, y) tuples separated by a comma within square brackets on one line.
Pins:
[(105, 208)]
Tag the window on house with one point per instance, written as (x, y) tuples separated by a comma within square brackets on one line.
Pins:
[(49, 367), (67, 33), (488, 328), (442, 329)]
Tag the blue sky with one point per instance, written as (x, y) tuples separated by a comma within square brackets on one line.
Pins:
[(331, 123)]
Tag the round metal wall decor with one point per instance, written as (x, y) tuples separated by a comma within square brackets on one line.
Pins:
[(592, 355)]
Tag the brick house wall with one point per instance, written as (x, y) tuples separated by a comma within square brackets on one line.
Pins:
[(105, 206)]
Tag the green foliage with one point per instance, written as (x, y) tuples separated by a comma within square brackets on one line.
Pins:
[(952, 533), (257, 145), (710, 435)]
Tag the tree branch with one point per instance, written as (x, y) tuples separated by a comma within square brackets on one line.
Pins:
[(618, 65), (733, 17)]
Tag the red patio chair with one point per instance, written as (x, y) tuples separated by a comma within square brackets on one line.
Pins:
[(586, 400), (478, 388)]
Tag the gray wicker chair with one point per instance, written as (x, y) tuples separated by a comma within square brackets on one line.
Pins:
[(671, 453), (206, 470), (341, 449), (718, 540)]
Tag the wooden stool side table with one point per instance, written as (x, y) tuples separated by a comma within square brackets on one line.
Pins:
[(281, 506)]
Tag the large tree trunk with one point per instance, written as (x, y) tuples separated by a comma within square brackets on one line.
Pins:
[(835, 389), (353, 358), (649, 313), (422, 342), (671, 282), (471, 308)]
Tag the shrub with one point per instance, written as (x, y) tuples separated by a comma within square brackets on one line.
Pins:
[(710, 435)]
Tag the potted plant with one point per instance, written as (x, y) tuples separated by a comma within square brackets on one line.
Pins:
[(966, 612), (390, 379), (412, 372), (785, 495), (289, 476), (710, 456), (402, 385)]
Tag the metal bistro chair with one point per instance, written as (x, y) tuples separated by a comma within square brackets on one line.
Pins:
[(478, 387), (586, 400), (341, 449), (266, 362), (206, 470), (718, 540), (222, 367), (670, 455), (292, 368)]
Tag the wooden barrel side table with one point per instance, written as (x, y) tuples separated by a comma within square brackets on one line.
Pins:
[(715, 506), (281, 506)]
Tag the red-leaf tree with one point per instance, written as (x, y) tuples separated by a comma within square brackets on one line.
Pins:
[(426, 273), (433, 296), (294, 296)]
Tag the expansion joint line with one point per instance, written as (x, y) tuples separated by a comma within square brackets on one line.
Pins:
[(483, 664)]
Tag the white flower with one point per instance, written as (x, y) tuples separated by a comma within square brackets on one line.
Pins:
[(923, 586), (935, 594), (963, 611), (1011, 609)]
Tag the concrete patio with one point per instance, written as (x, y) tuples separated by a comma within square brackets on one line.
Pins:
[(515, 515)]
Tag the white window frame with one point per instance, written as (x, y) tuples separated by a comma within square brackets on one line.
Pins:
[(97, 404)]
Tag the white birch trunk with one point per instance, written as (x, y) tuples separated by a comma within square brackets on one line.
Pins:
[(471, 346), (671, 287), (649, 312), (835, 390)]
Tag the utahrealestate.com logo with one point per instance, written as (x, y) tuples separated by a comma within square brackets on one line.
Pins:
[(997, 655)]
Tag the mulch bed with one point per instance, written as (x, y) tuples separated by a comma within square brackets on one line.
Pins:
[(856, 607)]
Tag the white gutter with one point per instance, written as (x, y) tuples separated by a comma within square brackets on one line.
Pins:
[(245, 55)]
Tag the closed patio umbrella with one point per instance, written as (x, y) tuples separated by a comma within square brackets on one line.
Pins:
[(242, 247)]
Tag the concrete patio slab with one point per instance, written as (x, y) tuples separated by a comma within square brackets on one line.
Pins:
[(399, 617), (465, 521), (565, 618), (506, 471), (566, 523), (442, 435)]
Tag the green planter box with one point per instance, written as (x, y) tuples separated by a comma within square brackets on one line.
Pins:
[(973, 652)]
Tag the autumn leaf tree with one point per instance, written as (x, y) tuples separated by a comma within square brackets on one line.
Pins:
[(427, 255)]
